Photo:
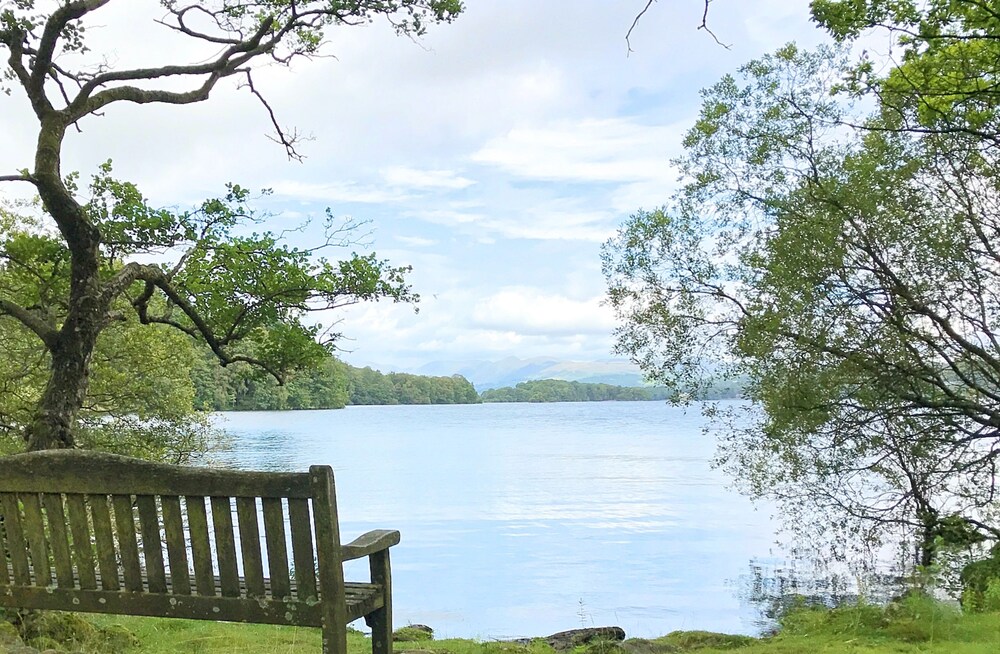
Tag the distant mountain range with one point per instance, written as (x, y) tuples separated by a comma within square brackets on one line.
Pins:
[(512, 370)]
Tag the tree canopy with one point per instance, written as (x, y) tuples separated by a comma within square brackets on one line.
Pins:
[(100, 254), (835, 243)]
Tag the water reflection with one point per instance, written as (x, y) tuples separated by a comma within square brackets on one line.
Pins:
[(522, 520)]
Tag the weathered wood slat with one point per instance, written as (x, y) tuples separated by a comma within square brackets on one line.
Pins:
[(277, 550), (83, 549), (173, 532), (58, 539), (104, 542), (128, 546), (75, 471), (15, 538), (201, 548), (225, 546), (253, 568), (152, 546), (34, 531), (302, 552)]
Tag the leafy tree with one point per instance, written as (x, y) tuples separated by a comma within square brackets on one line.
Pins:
[(243, 294), (139, 399), (846, 265)]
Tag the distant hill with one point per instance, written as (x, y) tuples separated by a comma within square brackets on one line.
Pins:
[(511, 371)]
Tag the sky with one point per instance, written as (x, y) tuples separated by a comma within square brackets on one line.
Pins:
[(495, 155)]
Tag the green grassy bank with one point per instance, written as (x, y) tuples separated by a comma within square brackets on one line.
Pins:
[(912, 625)]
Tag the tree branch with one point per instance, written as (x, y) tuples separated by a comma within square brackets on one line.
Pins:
[(283, 138), (156, 278), (702, 26), (42, 329), (628, 35), (18, 178)]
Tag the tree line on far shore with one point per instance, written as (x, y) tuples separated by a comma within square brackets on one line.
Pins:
[(331, 385), (335, 384), (558, 390)]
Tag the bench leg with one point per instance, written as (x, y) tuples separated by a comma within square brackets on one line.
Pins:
[(335, 639), (380, 621)]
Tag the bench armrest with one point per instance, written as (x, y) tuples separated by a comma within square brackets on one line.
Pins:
[(370, 543)]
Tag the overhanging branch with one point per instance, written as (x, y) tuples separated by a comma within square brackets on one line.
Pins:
[(157, 279), (18, 178), (42, 329)]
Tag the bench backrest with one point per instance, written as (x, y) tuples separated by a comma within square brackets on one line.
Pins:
[(87, 528)]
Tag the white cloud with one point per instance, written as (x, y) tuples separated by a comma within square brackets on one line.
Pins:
[(593, 150), (338, 192), (534, 311), (415, 241), (447, 217), (402, 176)]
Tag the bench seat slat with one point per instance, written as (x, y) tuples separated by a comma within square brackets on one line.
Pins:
[(201, 548), (34, 530), (302, 552), (253, 568), (173, 532), (15, 538), (128, 546), (107, 559), (83, 549), (225, 546), (277, 550), (58, 539), (152, 546)]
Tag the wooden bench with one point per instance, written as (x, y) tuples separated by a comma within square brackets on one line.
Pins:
[(94, 532)]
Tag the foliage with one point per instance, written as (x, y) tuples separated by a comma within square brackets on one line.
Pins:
[(58, 631), (981, 583), (243, 388), (845, 264), (203, 272), (558, 390), (330, 385), (367, 386), (697, 640)]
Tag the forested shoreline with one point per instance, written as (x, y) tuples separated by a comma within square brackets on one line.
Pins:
[(331, 385), (335, 384), (559, 390)]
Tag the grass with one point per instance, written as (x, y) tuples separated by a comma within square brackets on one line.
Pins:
[(914, 624)]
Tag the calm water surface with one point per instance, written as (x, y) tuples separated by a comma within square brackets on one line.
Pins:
[(525, 519)]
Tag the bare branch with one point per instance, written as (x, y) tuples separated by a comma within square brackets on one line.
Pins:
[(704, 26), (283, 138), (628, 35)]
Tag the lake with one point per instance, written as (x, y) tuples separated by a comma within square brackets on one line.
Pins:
[(525, 519)]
